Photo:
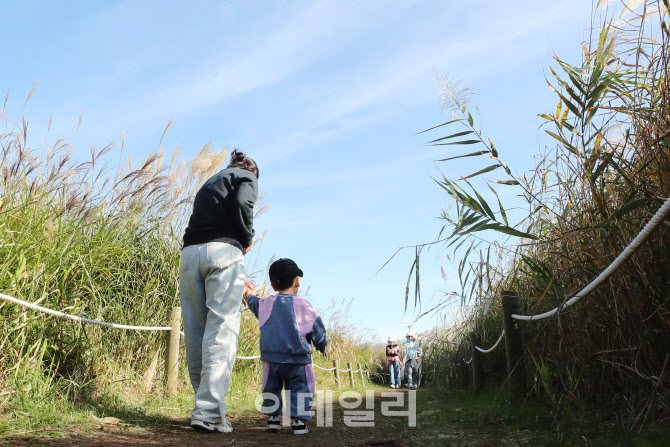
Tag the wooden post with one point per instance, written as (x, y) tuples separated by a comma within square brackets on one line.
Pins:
[(148, 382), (514, 349), (351, 374), (477, 377), (172, 352), (360, 368), (336, 365), (367, 374)]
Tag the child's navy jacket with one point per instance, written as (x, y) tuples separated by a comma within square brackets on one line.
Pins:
[(288, 325)]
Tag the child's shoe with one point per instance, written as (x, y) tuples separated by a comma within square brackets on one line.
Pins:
[(299, 427), (274, 424)]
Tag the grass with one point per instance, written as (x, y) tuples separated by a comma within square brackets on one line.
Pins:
[(125, 407), (604, 173), (461, 418), (102, 240)]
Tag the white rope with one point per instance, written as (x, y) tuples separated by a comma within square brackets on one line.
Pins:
[(80, 319), (100, 323), (345, 370), (655, 221), (486, 351), (323, 369), (467, 362)]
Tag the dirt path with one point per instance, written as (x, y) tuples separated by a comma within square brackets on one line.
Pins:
[(249, 430), (454, 419)]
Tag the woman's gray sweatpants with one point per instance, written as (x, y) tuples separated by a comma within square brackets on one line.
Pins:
[(211, 284)]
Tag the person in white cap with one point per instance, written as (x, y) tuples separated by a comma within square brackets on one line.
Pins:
[(393, 363), (411, 363)]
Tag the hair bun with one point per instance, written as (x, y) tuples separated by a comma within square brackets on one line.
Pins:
[(237, 156)]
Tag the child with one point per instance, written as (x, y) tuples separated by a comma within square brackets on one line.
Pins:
[(393, 362), (288, 325)]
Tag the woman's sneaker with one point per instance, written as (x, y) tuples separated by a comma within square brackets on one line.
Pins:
[(299, 427), (221, 427), (274, 423)]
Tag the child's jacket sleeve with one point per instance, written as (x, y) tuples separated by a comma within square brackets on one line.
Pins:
[(252, 302), (318, 335)]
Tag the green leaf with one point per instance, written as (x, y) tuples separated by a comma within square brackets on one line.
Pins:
[(439, 125), (502, 210), (459, 134), (409, 279), (513, 232), (457, 142), (564, 142), (567, 88), (573, 74), (505, 182), (483, 171), (494, 152), (472, 154), (483, 203)]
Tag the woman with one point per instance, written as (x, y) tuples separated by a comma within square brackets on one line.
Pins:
[(211, 284), (393, 362)]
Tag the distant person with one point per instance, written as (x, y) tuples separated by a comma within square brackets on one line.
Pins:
[(418, 362), (211, 284), (411, 365), (288, 325), (393, 363)]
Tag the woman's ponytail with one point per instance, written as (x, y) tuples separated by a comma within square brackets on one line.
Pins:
[(239, 160)]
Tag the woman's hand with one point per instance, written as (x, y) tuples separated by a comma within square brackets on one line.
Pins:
[(248, 249)]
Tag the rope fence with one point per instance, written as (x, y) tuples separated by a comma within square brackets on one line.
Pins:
[(644, 234), (80, 319), (486, 351), (174, 336), (514, 349)]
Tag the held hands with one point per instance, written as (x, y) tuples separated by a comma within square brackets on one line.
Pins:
[(248, 290)]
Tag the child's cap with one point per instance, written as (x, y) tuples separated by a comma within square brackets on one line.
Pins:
[(283, 271)]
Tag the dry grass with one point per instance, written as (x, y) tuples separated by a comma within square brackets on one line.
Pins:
[(587, 198)]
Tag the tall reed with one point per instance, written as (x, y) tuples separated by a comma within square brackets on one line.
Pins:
[(586, 199), (102, 241)]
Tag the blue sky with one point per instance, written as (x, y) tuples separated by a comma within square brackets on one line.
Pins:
[(326, 96)]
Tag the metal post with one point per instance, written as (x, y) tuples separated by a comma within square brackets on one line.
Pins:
[(336, 365), (172, 352), (513, 345), (477, 376), (351, 374)]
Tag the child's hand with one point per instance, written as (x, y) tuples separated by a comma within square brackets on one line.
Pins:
[(325, 354), (248, 290)]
